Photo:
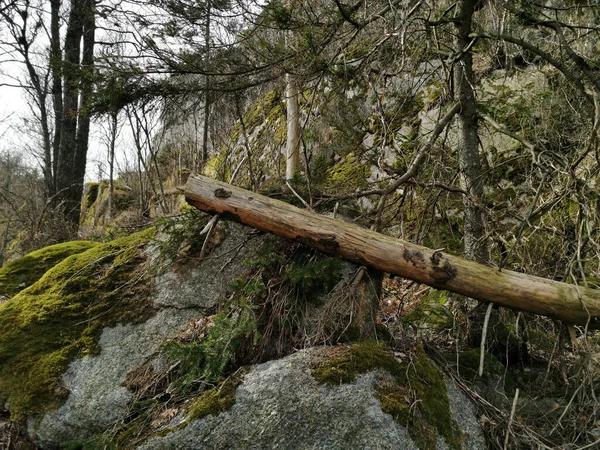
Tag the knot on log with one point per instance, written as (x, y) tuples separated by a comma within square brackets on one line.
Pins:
[(415, 257), (442, 270), (222, 193)]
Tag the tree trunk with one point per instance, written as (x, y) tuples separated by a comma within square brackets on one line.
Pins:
[(292, 154), (113, 131), (573, 304), (57, 89), (206, 87), (68, 142), (83, 115), (475, 244)]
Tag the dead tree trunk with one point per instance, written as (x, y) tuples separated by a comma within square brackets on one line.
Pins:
[(573, 304), (292, 155)]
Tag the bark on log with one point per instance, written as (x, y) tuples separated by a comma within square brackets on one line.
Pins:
[(572, 304)]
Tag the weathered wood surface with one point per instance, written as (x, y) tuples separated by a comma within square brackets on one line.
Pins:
[(572, 304)]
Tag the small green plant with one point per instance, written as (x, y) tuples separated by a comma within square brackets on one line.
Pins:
[(207, 360), (182, 234), (267, 304), (310, 280)]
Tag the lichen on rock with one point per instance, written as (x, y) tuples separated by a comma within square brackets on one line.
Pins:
[(280, 404)]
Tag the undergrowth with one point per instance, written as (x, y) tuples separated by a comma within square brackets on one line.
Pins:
[(259, 319), (280, 284)]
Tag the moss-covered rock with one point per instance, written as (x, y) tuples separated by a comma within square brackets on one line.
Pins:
[(280, 404), (415, 394), (60, 317), (349, 174), (23, 272), (95, 202), (216, 400)]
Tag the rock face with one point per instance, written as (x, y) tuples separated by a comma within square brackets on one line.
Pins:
[(281, 405), (97, 398)]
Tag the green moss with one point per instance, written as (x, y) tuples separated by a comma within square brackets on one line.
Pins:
[(216, 400), (210, 402), (95, 442), (415, 395), (61, 316), (348, 175), (218, 166), (23, 272), (90, 194)]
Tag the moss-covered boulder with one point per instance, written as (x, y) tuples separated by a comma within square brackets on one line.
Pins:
[(60, 317), (23, 272), (95, 203), (70, 342), (110, 340), (298, 402)]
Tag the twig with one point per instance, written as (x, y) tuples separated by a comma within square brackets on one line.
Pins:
[(298, 196), (486, 322), (214, 222), (592, 445), (210, 224), (512, 415), (564, 413)]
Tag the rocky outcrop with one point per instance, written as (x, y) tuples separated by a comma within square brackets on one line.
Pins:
[(114, 313)]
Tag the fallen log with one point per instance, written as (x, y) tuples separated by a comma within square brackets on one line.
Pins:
[(573, 304)]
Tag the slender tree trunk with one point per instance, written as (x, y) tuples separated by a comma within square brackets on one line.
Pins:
[(83, 116), (77, 72), (292, 161), (475, 245), (57, 91), (41, 94), (111, 162), (68, 142), (143, 202), (206, 87)]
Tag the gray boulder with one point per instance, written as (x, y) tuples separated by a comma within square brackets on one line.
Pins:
[(280, 405)]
